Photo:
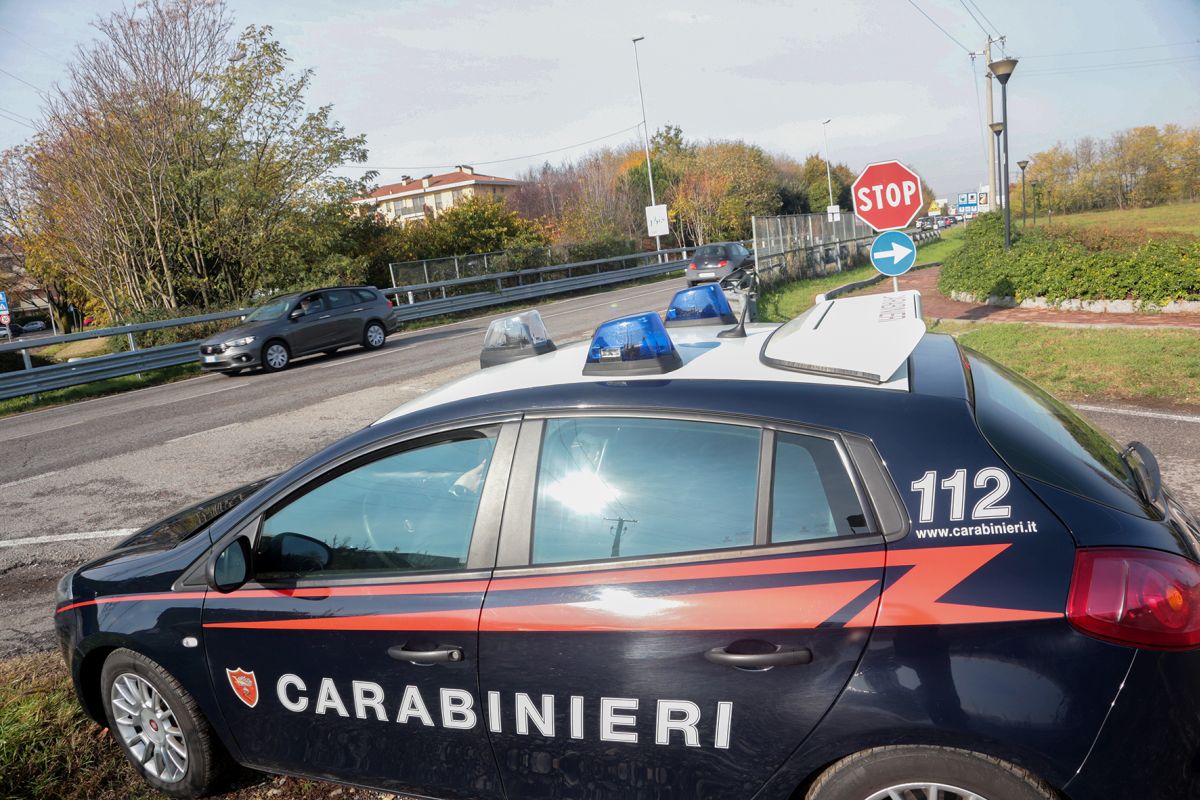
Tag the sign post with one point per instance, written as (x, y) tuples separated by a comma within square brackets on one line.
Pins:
[(887, 196), (4, 315)]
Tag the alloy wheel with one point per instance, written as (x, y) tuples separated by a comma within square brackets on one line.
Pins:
[(148, 727), (375, 336), (924, 791), (277, 356)]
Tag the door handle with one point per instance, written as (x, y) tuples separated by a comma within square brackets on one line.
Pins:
[(357, 310), (783, 657), (443, 654), (325, 316)]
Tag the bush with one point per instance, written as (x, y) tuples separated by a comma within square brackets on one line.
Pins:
[(12, 361), (1085, 264), (185, 333)]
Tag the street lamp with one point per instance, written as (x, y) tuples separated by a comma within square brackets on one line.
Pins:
[(1023, 165), (1003, 70), (828, 173), (1037, 185), (998, 129), (645, 134)]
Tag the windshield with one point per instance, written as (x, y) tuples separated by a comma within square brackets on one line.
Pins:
[(269, 311), (1044, 439)]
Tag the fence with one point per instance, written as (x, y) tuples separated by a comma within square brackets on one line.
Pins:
[(435, 270), (806, 245)]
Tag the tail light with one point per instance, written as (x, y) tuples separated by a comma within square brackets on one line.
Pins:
[(724, 263), (1141, 598), (692, 265)]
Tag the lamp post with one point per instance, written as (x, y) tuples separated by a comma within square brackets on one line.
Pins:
[(1023, 165), (828, 173), (998, 129), (1003, 70), (1036, 186), (645, 133)]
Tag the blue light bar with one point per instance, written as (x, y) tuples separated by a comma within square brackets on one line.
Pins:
[(700, 305), (636, 345)]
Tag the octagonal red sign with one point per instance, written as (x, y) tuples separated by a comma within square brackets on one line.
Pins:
[(887, 195)]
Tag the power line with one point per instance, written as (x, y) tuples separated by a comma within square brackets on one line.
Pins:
[(1114, 50), (939, 27), (31, 46), (503, 160), (1124, 65), (975, 19), (22, 80), (985, 18), (15, 114), (978, 105), (19, 121)]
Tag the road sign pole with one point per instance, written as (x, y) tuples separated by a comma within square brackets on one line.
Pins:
[(895, 284)]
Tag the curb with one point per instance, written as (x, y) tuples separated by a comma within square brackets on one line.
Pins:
[(833, 294)]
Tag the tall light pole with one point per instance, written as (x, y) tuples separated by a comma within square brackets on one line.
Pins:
[(998, 129), (645, 133), (1023, 165), (1003, 70), (1036, 186), (828, 173)]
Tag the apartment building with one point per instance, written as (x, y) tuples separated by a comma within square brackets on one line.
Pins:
[(412, 197)]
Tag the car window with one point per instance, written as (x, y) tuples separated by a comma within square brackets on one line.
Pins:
[(812, 495), (406, 512), (711, 251), (311, 303), (340, 298), (366, 295), (1044, 439), (615, 487)]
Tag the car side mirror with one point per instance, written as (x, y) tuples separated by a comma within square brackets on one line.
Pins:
[(296, 313), (229, 569)]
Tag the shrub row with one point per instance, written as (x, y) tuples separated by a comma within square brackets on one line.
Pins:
[(1063, 263)]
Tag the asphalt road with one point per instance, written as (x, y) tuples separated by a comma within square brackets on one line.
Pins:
[(73, 479)]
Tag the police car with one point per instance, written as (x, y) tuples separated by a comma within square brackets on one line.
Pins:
[(840, 558)]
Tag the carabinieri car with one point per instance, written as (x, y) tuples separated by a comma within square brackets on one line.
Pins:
[(837, 559)]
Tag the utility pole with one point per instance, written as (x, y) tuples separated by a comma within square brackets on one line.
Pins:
[(991, 119), (646, 136), (619, 530)]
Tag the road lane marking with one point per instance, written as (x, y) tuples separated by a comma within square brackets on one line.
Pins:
[(68, 537), (30, 478), (201, 433), (59, 428), (1132, 412)]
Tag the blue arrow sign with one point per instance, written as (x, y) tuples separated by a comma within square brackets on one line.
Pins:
[(3, 302), (893, 253)]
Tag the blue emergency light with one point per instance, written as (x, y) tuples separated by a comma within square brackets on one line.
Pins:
[(700, 305), (635, 345)]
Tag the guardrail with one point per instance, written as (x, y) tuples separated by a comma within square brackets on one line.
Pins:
[(33, 380)]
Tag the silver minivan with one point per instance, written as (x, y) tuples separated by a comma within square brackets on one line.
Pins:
[(294, 325)]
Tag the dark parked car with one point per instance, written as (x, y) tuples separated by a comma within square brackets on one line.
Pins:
[(713, 262), (298, 324)]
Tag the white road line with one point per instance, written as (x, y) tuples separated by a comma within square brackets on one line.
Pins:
[(1132, 412), (67, 537), (30, 478), (200, 433), (59, 428)]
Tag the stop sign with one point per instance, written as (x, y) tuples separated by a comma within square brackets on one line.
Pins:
[(887, 195)]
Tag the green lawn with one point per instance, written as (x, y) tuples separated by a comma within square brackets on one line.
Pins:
[(1092, 363), (1179, 218), (789, 300)]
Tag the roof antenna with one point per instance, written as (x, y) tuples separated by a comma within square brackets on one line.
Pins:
[(750, 281)]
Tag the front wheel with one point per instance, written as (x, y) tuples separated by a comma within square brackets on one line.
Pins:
[(926, 773), (374, 336), (275, 356), (159, 727)]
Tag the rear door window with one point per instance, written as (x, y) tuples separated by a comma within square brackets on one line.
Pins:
[(1044, 439), (620, 487), (812, 494), (366, 295), (340, 298)]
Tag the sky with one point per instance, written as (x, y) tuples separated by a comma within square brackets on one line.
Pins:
[(433, 84)]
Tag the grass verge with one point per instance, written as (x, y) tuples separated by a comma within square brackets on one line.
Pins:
[(49, 749), (787, 301), (1132, 364), (1176, 218), (84, 391)]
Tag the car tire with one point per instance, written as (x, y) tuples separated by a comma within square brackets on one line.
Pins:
[(276, 356), (374, 335), (872, 774), (177, 721)]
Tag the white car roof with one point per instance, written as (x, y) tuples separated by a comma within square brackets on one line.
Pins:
[(845, 342)]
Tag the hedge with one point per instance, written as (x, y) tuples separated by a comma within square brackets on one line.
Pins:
[(1061, 263)]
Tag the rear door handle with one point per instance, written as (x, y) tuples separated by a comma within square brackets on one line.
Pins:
[(357, 310), (325, 316), (783, 657), (443, 654)]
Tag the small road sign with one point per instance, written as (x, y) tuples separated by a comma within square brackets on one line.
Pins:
[(5, 319), (3, 302), (893, 253), (887, 195), (657, 223)]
